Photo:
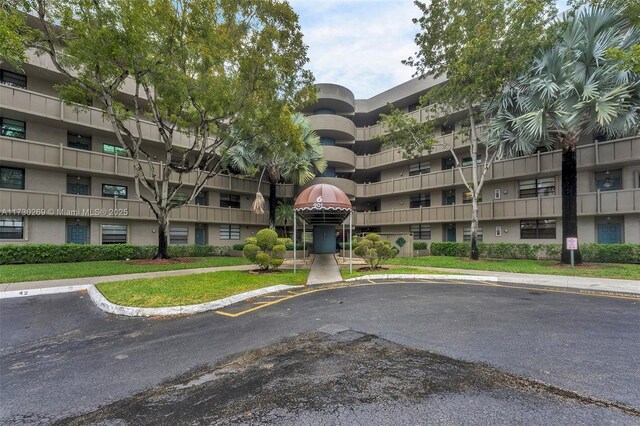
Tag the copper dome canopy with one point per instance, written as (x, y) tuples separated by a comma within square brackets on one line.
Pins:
[(323, 204)]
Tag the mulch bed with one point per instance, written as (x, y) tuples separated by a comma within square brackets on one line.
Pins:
[(263, 272), (368, 268), (172, 261)]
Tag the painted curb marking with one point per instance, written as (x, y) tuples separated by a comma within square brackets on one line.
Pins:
[(43, 291), (102, 303)]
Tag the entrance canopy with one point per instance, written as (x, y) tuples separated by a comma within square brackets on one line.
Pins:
[(323, 204)]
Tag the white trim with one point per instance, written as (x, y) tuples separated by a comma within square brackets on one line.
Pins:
[(422, 277), (42, 291)]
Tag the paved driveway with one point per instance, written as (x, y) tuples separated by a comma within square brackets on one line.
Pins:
[(520, 354)]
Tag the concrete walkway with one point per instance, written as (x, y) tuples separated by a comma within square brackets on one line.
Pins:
[(324, 270)]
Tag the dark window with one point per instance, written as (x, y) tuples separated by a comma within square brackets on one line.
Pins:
[(13, 128), (609, 180), (178, 234), (448, 163), (328, 172), (229, 232), (537, 187), (11, 178), (79, 141), (414, 107), (320, 111), (467, 198), (13, 79), (201, 199), (419, 168), (78, 185), (117, 191), (536, 229), (447, 128), (467, 161), (114, 150), (466, 234), (449, 198), (230, 200), (11, 227), (114, 234), (327, 141), (421, 232), (420, 200)]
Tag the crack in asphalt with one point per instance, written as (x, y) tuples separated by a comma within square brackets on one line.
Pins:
[(346, 378)]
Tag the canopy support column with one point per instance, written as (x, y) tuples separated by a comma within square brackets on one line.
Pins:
[(295, 242)]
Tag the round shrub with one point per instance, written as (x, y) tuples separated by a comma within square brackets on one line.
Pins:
[(278, 251), (263, 260), (250, 251), (267, 238)]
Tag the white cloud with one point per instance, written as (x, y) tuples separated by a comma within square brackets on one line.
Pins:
[(359, 43)]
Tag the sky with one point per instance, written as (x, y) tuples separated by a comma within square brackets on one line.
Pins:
[(360, 44)]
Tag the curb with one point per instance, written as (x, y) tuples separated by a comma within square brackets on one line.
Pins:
[(130, 311), (423, 277), (43, 291)]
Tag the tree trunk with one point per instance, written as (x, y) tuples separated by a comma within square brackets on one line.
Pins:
[(569, 201), (475, 190), (272, 205), (163, 237), (475, 253)]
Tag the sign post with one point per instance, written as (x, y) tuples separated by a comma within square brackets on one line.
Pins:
[(572, 245)]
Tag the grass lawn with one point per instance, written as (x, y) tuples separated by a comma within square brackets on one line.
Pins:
[(51, 271), (392, 270), (550, 267), (193, 289)]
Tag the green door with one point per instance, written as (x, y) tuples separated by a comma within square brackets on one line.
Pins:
[(610, 233), (451, 234), (78, 234), (201, 234)]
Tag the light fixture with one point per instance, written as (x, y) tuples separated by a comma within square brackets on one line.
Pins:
[(401, 174)]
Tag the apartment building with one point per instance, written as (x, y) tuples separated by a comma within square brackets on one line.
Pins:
[(63, 177)]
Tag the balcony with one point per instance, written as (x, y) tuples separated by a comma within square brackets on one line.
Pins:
[(340, 158), (335, 97), (333, 126), (67, 205), (77, 160), (598, 203)]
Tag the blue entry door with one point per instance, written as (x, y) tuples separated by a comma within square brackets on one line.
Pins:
[(610, 233), (78, 234), (201, 234)]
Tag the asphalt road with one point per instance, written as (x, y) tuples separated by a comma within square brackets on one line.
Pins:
[(448, 353)]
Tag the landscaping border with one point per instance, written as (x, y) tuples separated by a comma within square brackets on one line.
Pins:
[(423, 277), (131, 311)]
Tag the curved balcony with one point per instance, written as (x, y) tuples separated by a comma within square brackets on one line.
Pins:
[(346, 185), (333, 126), (335, 97), (340, 158)]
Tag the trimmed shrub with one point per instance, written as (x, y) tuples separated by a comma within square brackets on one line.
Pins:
[(284, 241), (375, 250), (612, 253), (52, 253), (450, 249), (266, 252), (419, 245), (238, 246), (299, 246)]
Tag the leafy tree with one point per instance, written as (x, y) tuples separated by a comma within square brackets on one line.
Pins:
[(199, 70), (280, 164), (375, 250), (572, 90), (478, 45), (265, 249)]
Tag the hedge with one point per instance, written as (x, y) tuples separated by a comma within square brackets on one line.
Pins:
[(52, 253), (419, 245), (597, 253)]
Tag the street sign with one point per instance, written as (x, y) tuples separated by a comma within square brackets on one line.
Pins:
[(572, 244)]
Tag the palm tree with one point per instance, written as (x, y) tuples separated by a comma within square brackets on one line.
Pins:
[(572, 90), (297, 167), (284, 214)]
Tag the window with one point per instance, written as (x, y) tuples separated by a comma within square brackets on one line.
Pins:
[(79, 141), (230, 200), (535, 229), (178, 234), (320, 111), (449, 198), (78, 185), (447, 128), (537, 187), (114, 234), (11, 178), (117, 191), (201, 199), (327, 141), (448, 163), (466, 234), (420, 200), (609, 180), (229, 232), (467, 161), (11, 227), (114, 150), (421, 232), (413, 107), (13, 79), (467, 198), (13, 128), (419, 168)]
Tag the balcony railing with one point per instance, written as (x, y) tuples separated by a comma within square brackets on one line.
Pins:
[(78, 160), (597, 203), (38, 203)]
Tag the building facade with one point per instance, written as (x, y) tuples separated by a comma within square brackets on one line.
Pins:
[(63, 177)]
